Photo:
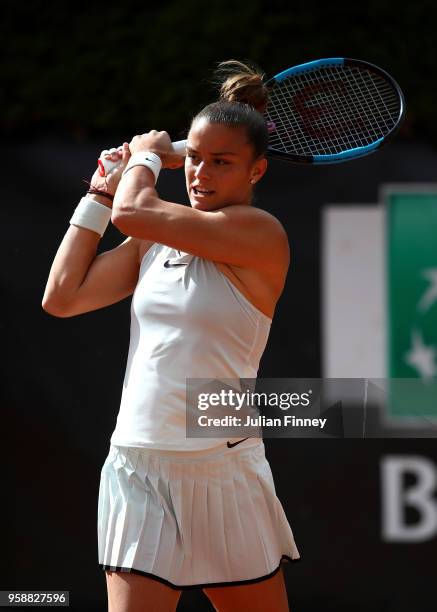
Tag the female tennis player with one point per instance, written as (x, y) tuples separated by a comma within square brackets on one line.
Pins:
[(175, 512)]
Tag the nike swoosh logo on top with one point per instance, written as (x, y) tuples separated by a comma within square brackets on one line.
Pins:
[(231, 444), (167, 264)]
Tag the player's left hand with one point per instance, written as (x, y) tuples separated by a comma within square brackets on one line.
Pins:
[(110, 181), (159, 143)]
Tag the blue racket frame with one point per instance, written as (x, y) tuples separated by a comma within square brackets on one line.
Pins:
[(350, 153)]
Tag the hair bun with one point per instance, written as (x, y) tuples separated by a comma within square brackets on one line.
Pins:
[(241, 82)]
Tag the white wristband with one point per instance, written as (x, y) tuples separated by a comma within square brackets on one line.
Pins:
[(145, 158), (91, 215)]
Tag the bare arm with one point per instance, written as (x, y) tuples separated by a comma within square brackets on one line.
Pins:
[(238, 235), (80, 281)]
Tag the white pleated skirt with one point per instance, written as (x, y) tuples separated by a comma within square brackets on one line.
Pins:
[(192, 519)]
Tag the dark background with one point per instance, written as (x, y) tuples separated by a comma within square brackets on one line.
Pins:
[(79, 78)]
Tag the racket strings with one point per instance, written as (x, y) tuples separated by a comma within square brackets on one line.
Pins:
[(334, 112), (323, 130), (332, 129), (330, 110)]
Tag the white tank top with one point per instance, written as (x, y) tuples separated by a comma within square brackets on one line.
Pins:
[(188, 320)]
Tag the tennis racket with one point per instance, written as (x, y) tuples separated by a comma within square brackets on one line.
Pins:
[(328, 111)]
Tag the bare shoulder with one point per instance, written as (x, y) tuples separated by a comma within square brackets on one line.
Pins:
[(263, 284), (276, 237), (271, 224), (262, 222)]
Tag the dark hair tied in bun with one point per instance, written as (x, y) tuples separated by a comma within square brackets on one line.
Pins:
[(243, 99), (242, 83)]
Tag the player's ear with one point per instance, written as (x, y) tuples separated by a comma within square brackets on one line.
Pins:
[(258, 170)]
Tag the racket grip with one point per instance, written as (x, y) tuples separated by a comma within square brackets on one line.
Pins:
[(180, 147), (106, 165)]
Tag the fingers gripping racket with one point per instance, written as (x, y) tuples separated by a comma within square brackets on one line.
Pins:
[(106, 165), (328, 111)]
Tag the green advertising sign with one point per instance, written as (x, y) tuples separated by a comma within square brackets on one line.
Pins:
[(411, 239)]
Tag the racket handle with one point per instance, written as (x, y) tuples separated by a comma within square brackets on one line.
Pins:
[(180, 147), (106, 165)]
